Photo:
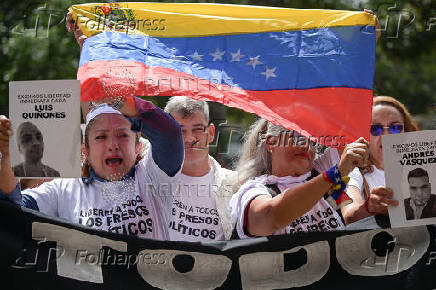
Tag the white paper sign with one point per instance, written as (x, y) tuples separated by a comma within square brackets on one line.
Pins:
[(45, 117), (410, 170)]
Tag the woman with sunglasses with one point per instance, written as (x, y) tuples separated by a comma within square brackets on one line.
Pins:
[(367, 184), (280, 193)]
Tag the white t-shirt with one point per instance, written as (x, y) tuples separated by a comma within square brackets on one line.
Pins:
[(131, 207), (194, 215), (374, 179), (321, 217)]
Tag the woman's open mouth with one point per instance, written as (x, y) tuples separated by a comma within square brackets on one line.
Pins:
[(114, 162)]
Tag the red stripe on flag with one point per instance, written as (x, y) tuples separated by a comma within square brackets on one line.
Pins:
[(334, 115)]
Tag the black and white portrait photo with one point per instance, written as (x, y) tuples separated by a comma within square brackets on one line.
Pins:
[(45, 118), (422, 203), (410, 168), (30, 142)]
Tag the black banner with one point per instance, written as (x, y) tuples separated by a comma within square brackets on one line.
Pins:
[(38, 252)]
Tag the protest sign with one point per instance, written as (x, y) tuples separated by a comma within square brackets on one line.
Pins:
[(410, 169), (45, 116)]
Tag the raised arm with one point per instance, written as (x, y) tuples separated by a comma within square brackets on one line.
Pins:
[(164, 133), (8, 181), (267, 215), (9, 185), (72, 26)]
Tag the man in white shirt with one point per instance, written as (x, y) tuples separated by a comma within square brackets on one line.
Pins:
[(199, 209)]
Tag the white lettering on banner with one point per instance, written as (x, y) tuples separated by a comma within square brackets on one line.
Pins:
[(70, 241), (208, 272), (267, 269), (79, 256), (408, 245)]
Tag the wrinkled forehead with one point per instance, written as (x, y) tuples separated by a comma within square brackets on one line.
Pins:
[(196, 118), (109, 122)]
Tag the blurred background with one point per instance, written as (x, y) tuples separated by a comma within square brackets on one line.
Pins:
[(35, 45)]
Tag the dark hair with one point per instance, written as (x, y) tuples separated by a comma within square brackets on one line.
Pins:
[(86, 167), (417, 172), (21, 127)]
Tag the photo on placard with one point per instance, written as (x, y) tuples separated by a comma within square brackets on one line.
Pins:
[(410, 167), (45, 117)]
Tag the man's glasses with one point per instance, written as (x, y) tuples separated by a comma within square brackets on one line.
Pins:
[(377, 130)]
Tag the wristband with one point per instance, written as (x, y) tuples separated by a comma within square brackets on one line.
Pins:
[(367, 206), (337, 192), (332, 175)]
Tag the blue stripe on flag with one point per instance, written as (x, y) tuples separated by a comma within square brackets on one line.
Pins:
[(324, 57)]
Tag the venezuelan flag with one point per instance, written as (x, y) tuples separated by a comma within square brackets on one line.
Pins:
[(308, 70)]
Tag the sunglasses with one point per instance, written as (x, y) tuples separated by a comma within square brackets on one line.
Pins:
[(377, 130)]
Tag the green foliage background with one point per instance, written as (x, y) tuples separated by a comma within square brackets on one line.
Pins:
[(406, 58)]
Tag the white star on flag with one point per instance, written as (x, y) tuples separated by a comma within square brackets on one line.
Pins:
[(229, 81), (217, 54), (236, 56), (173, 52), (269, 73), (196, 56), (254, 61)]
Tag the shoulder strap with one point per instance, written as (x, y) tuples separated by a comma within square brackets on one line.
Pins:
[(314, 173), (366, 191), (234, 235), (273, 189)]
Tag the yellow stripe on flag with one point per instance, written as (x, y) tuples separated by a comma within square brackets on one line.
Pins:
[(191, 20)]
